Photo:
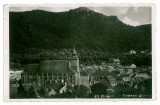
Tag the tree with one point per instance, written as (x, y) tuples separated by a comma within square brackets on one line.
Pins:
[(21, 93), (145, 87), (118, 91), (82, 91), (148, 85), (121, 89), (32, 93), (125, 60), (41, 92), (99, 89)]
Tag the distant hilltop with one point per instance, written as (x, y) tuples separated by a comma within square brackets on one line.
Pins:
[(82, 9), (79, 27)]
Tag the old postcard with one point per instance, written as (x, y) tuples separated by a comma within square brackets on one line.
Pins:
[(79, 52)]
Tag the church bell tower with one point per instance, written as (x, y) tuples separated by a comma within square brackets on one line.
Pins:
[(74, 62)]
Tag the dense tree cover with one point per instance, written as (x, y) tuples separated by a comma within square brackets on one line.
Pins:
[(32, 93), (91, 33), (138, 59), (82, 91), (121, 90), (35, 56), (21, 92), (87, 57), (98, 89), (145, 87), (41, 92), (142, 88)]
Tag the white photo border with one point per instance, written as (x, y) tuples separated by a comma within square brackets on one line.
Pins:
[(6, 56)]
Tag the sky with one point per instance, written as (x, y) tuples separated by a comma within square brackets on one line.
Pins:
[(131, 15)]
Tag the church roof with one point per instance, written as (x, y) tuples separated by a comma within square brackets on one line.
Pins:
[(51, 66), (55, 66)]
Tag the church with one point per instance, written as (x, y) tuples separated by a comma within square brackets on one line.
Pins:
[(53, 71)]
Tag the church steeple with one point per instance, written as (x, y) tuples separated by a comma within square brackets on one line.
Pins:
[(74, 62), (74, 54)]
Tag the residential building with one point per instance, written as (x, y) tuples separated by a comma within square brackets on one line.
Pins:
[(132, 52)]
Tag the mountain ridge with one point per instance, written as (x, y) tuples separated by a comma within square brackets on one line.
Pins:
[(83, 29)]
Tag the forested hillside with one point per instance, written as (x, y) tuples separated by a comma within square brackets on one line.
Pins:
[(40, 34)]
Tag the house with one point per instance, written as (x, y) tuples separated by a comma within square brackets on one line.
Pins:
[(51, 92), (142, 76), (89, 70), (132, 52), (121, 70), (63, 89), (130, 71), (142, 52), (98, 76), (112, 80), (15, 75), (84, 80), (64, 71), (116, 61), (110, 68), (126, 78), (101, 77), (133, 66), (55, 87)]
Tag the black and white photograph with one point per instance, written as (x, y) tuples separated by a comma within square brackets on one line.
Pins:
[(80, 52)]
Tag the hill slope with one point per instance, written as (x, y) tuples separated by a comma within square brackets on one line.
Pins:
[(81, 27)]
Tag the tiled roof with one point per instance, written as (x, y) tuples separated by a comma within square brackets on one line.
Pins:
[(83, 73), (55, 86), (142, 75), (112, 79), (55, 66), (100, 73), (51, 66)]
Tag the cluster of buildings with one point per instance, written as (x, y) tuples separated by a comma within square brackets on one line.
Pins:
[(114, 73), (59, 76)]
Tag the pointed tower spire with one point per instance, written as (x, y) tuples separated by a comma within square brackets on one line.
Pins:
[(74, 54), (74, 51)]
